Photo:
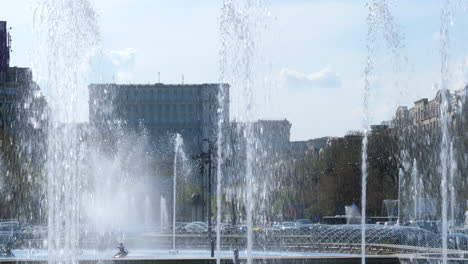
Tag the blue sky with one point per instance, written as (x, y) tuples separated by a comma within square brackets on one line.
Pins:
[(315, 52)]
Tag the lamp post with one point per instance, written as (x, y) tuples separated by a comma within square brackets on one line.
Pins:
[(205, 157), (208, 158)]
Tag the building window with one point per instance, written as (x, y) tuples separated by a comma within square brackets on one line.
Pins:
[(167, 113), (173, 114), (191, 113)]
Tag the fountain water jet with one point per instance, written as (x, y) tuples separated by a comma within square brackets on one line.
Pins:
[(163, 216), (446, 19), (363, 196), (148, 211), (178, 143), (67, 33), (219, 168), (352, 214), (241, 28), (453, 194), (416, 190), (118, 181), (379, 21)]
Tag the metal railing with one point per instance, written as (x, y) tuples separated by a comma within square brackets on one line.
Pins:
[(380, 239)]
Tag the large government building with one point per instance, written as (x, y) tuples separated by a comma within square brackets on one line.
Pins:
[(162, 109)]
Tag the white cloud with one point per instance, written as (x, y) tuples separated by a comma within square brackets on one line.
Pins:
[(325, 78), (123, 62), (123, 58), (114, 66)]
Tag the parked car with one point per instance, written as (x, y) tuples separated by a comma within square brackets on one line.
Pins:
[(228, 228), (433, 226), (458, 241), (9, 226), (243, 228), (276, 227), (10, 231), (303, 222), (179, 227), (303, 225), (288, 226), (196, 228)]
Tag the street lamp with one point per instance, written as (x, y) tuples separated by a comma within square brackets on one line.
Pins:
[(207, 156)]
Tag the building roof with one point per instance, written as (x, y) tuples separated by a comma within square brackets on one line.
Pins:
[(156, 85)]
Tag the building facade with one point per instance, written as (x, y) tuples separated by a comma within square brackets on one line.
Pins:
[(23, 121), (190, 110), (4, 47), (425, 114), (420, 141)]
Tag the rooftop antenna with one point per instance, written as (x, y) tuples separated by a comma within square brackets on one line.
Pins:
[(182, 78), (159, 77)]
